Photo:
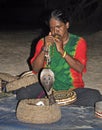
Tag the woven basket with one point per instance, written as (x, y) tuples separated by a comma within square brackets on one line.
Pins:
[(7, 77), (16, 82), (64, 97), (98, 109), (24, 80), (29, 112)]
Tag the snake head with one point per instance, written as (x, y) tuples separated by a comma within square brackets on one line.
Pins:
[(47, 78)]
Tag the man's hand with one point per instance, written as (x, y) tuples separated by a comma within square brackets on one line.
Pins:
[(59, 43), (49, 40), (57, 39)]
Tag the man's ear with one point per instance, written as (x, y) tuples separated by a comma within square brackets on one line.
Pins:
[(67, 25)]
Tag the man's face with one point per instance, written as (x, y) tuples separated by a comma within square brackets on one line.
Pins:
[(58, 27)]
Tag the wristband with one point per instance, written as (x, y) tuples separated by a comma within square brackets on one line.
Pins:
[(44, 49), (64, 54)]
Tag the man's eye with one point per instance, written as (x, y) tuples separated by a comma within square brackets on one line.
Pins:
[(59, 26)]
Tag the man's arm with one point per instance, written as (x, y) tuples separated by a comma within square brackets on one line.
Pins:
[(74, 63), (38, 63), (79, 61)]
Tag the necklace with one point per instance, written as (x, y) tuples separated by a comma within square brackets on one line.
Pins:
[(47, 57)]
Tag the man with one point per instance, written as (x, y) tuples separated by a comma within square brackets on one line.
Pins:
[(67, 54)]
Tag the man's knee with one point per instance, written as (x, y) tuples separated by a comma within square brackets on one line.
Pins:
[(21, 94)]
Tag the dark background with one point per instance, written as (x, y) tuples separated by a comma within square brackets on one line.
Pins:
[(86, 15)]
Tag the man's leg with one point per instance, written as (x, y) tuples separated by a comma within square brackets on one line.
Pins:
[(31, 91), (87, 97)]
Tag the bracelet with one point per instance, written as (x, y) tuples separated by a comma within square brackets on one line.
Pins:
[(44, 49), (64, 54)]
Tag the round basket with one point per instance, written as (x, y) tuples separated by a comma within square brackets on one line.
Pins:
[(64, 97), (98, 109), (24, 80), (29, 111)]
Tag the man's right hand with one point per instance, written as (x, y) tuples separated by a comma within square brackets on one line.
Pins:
[(49, 40)]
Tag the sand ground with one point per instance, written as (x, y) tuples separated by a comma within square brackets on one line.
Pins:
[(15, 49)]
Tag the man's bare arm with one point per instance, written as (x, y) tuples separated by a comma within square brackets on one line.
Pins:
[(75, 64), (38, 63)]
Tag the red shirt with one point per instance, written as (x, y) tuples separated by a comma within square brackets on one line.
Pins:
[(80, 53)]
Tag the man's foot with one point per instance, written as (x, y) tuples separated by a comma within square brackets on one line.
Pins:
[(0, 87), (3, 85)]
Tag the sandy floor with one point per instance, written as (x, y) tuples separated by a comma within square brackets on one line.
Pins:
[(94, 66), (15, 49)]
